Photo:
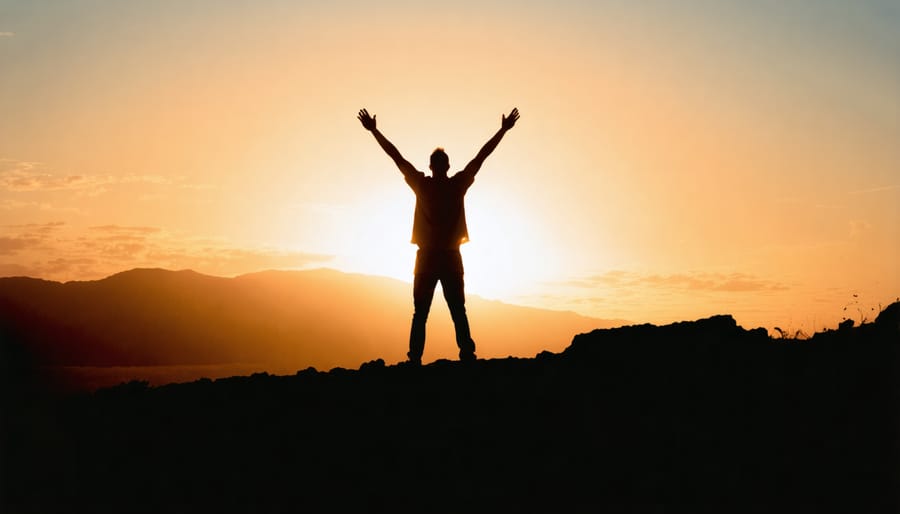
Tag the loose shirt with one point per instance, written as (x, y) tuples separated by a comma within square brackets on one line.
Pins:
[(440, 216)]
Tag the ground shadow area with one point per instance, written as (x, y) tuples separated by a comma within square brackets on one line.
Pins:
[(698, 416)]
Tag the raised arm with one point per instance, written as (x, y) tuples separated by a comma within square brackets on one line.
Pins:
[(369, 123), (506, 123)]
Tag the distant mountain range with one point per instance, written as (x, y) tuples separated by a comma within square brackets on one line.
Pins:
[(164, 326)]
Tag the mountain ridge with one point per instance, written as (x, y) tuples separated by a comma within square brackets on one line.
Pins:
[(276, 321)]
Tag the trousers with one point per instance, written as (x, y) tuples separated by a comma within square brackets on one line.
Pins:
[(444, 266)]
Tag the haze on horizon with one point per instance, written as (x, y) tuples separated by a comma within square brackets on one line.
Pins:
[(674, 159)]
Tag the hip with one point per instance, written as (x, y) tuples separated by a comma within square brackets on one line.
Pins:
[(438, 261)]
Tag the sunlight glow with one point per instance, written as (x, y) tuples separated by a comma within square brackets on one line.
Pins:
[(661, 139), (508, 254)]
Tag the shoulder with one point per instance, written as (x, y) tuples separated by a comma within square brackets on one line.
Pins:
[(463, 178), (415, 178)]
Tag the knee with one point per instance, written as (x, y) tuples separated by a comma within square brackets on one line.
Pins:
[(457, 310), (420, 314)]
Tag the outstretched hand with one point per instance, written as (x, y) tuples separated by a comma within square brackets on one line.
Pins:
[(508, 122), (367, 121)]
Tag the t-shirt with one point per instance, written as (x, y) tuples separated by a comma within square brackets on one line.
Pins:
[(440, 217)]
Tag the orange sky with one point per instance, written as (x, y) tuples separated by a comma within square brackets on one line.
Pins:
[(674, 159)]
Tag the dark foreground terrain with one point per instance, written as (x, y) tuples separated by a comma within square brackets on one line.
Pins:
[(700, 416)]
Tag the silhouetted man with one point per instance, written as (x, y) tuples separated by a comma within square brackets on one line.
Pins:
[(439, 227)]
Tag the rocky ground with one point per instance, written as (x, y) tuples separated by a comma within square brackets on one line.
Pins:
[(699, 416)]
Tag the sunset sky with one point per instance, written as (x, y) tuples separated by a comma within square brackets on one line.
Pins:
[(674, 159)]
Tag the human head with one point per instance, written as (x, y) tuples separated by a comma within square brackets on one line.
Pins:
[(440, 162)]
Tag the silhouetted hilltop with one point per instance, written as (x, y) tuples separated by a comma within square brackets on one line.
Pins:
[(700, 416), (166, 326)]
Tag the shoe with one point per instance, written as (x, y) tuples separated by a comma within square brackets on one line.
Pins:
[(413, 360), (467, 356)]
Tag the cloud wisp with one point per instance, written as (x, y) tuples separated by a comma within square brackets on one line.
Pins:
[(753, 300), (879, 189), (694, 281), (30, 176), (99, 251)]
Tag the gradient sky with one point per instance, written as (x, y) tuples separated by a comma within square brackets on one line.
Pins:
[(674, 159)]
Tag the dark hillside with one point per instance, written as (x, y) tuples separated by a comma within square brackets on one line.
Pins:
[(175, 326), (692, 417)]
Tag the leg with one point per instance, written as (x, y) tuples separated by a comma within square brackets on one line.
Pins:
[(423, 292), (454, 293)]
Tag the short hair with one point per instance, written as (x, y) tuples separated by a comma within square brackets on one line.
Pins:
[(440, 160)]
